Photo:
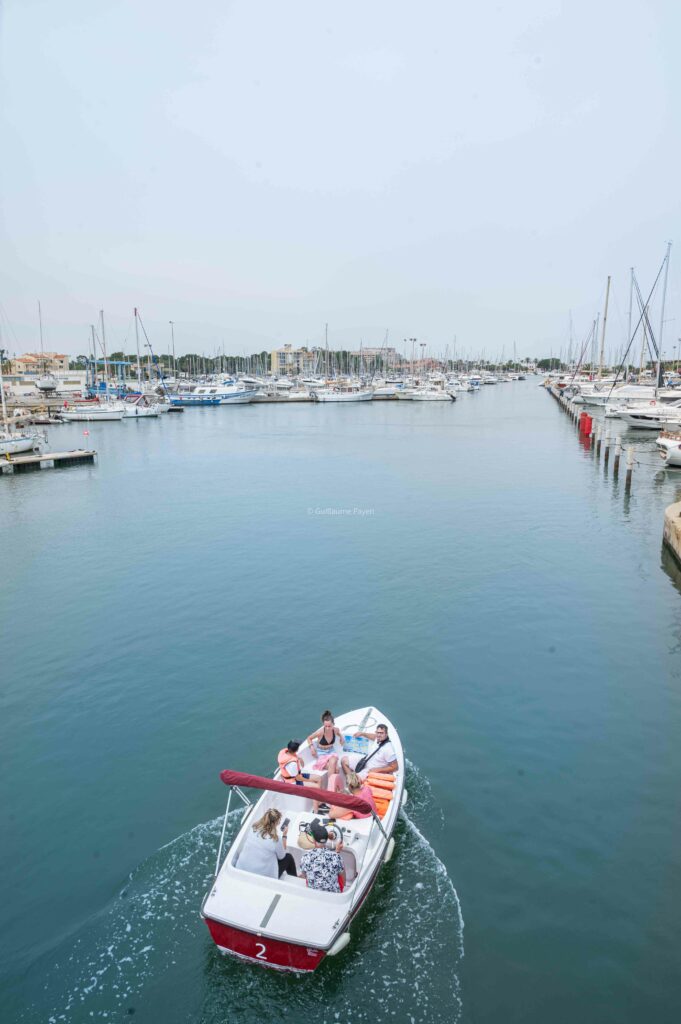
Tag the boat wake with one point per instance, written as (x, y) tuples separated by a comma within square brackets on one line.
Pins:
[(148, 953)]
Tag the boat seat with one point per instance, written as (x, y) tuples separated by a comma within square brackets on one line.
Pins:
[(292, 880)]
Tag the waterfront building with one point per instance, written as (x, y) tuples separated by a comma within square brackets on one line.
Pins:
[(293, 361), (41, 362)]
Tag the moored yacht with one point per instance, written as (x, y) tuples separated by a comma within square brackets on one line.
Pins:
[(653, 417), (343, 393), (432, 394), (229, 393), (93, 412), (140, 406)]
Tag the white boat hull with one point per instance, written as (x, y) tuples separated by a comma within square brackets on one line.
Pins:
[(13, 445), (650, 420), (673, 456), (433, 396), (140, 408), (85, 415), (343, 396)]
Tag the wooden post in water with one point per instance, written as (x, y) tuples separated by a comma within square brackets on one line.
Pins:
[(598, 441), (618, 453), (630, 469), (592, 435), (606, 453)]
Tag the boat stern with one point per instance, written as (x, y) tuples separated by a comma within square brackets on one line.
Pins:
[(260, 949)]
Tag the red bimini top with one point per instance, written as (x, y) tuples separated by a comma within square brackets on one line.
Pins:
[(353, 803)]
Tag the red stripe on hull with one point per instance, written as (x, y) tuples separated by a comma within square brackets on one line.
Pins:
[(285, 956)]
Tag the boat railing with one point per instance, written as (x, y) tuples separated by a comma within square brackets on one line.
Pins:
[(247, 808)]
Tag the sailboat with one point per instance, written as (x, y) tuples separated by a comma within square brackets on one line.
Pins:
[(14, 442)]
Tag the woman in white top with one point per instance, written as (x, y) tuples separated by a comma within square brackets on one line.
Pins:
[(263, 852)]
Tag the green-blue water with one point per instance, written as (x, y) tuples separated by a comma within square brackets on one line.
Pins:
[(184, 606)]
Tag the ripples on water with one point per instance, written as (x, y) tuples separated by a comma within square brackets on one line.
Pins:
[(402, 961)]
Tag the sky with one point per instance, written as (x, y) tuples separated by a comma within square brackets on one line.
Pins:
[(467, 175)]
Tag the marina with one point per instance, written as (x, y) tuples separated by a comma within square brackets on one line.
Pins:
[(555, 744)]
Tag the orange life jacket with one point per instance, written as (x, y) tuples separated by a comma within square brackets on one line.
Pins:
[(284, 757)]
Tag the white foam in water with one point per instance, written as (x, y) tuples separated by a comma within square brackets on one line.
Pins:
[(401, 963)]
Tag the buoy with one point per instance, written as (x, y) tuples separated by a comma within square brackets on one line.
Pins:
[(387, 856), (340, 944)]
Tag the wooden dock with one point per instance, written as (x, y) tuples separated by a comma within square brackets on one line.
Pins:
[(10, 464)]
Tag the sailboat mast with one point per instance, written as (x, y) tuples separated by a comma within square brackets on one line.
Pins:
[(172, 335), (605, 318), (137, 343), (40, 327), (106, 361), (326, 343), (2, 388), (631, 302), (94, 356), (664, 299)]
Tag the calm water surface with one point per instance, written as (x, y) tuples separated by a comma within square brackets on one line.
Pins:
[(190, 603)]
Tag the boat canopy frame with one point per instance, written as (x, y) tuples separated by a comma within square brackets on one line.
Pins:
[(352, 803)]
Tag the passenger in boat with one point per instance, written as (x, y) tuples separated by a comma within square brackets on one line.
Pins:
[(322, 868), (291, 766), (356, 787), (326, 744), (381, 759), (263, 852)]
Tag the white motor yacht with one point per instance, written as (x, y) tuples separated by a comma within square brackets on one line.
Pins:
[(653, 416), (343, 393), (229, 393), (432, 395), (141, 406)]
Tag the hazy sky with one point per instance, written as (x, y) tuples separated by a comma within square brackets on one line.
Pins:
[(251, 170)]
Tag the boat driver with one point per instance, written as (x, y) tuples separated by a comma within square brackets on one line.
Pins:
[(322, 868)]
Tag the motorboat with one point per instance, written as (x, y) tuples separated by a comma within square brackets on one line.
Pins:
[(280, 922), (343, 393), (458, 385), (614, 410), (229, 393), (673, 456), (653, 417), (668, 439), (432, 395), (13, 443), (136, 406), (48, 383)]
